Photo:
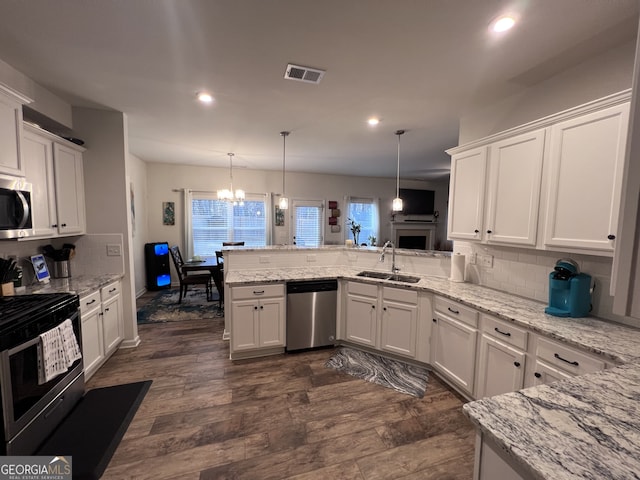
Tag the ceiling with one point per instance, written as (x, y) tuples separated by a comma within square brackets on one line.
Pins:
[(418, 65)]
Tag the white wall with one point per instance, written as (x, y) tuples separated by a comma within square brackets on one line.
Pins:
[(138, 179), (163, 179)]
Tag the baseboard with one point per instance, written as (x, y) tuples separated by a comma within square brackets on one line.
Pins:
[(131, 343)]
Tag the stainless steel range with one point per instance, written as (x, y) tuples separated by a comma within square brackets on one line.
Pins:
[(31, 411)]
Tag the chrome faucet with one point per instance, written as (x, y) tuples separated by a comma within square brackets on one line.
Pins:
[(394, 269)]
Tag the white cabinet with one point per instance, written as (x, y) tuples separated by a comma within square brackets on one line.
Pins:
[(257, 318), (92, 335), (56, 172), (399, 321), (362, 313), (585, 172), (102, 326), (10, 134), (513, 190), (466, 194), (112, 321), (502, 359), (454, 342)]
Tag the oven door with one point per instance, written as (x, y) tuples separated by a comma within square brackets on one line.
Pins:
[(22, 398)]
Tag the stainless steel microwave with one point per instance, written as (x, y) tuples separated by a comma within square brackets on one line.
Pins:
[(15, 208)]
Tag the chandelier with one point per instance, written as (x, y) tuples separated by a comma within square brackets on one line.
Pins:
[(397, 202), (229, 194), (283, 204)]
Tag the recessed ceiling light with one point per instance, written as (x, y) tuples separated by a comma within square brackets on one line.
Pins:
[(205, 97), (502, 24), (373, 121)]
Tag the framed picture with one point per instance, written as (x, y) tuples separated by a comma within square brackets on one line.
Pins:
[(279, 217), (40, 268), (168, 213)]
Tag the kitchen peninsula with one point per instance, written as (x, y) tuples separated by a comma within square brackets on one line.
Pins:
[(586, 419)]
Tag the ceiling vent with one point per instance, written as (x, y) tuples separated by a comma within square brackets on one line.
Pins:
[(303, 74)]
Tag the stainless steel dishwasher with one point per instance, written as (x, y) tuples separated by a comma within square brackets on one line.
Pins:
[(311, 314)]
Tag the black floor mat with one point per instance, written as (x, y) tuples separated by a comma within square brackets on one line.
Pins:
[(92, 431)]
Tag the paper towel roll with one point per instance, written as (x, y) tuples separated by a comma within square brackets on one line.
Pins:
[(457, 268)]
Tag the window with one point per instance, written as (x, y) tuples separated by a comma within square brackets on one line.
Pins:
[(214, 221), (307, 223), (365, 212)]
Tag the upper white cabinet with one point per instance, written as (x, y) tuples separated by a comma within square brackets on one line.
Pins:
[(513, 190), (585, 179), (10, 133), (466, 194), (552, 184), (55, 170)]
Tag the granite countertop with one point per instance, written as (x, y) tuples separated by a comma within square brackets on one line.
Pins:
[(80, 285), (618, 343), (582, 428)]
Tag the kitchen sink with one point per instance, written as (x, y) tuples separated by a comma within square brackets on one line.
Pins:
[(389, 276)]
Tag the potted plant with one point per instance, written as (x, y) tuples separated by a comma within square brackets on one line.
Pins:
[(355, 230)]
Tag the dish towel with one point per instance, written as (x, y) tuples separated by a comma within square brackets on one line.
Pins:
[(57, 350)]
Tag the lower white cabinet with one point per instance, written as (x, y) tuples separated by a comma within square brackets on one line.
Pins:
[(102, 326), (492, 464), (454, 346), (502, 359), (257, 318), (382, 317)]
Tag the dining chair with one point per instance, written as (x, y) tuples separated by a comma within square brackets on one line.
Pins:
[(186, 280)]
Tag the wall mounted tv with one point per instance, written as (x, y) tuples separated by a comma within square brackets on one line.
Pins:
[(417, 202)]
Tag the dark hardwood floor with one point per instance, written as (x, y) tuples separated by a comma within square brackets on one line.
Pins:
[(283, 417)]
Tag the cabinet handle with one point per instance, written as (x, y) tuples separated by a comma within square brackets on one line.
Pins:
[(101, 314), (261, 307), (476, 231), (106, 309), (517, 364), (489, 231), (258, 292), (63, 225), (373, 306), (55, 225), (255, 307), (611, 237), (574, 363), (434, 320), (457, 312), (384, 308), (113, 290), (537, 375), (91, 302), (506, 334)]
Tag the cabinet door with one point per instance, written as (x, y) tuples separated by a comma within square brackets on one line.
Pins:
[(466, 197), (361, 320), (513, 193), (399, 325), (271, 322), (585, 179), (92, 342), (37, 157), (245, 334), (455, 351), (544, 373), (112, 323), (69, 183), (10, 134), (501, 368)]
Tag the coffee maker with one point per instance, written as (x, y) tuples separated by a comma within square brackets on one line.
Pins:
[(569, 290)]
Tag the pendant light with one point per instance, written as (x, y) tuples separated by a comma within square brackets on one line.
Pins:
[(283, 204), (230, 195), (397, 202)]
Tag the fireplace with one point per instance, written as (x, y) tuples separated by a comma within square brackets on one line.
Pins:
[(417, 237)]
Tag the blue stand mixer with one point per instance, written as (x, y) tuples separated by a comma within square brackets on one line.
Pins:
[(569, 290)]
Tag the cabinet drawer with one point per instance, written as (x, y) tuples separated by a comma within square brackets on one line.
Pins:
[(110, 291), (456, 310), (505, 331), (257, 291), (400, 295), (366, 289), (89, 302), (567, 358)]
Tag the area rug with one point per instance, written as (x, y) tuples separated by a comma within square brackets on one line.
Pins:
[(400, 376), (93, 430), (164, 307)]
